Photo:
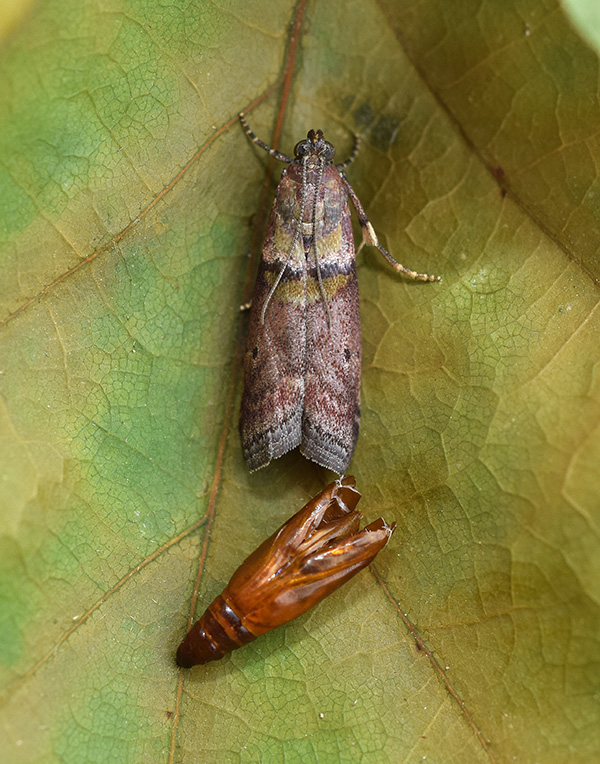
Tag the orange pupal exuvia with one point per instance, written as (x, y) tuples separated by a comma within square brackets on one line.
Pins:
[(312, 554)]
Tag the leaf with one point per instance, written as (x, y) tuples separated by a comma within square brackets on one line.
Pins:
[(585, 16), (126, 190), (11, 13)]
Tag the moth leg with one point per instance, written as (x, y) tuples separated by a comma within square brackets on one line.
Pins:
[(353, 155), (370, 237), (262, 144)]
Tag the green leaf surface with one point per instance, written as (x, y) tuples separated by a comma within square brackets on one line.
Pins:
[(128, 200), (585, 15)]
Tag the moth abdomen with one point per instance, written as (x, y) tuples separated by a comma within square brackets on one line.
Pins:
[(216, 633)]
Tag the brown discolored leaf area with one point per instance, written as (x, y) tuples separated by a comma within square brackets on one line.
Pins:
[(126, 191)]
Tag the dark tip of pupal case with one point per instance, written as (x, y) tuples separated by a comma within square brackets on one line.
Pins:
[(193, 650), (184, 657)]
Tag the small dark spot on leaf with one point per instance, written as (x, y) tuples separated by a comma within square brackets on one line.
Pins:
[(500, 176), (346, 102), (385, 132), (364, 115)]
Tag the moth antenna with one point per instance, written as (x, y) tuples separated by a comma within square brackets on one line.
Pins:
[(265, 147), (315, 243), (292, 246), (353, 155)]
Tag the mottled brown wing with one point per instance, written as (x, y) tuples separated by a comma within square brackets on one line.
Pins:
[(274, 359), (333, 352)]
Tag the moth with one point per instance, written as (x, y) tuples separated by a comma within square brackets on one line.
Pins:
[(312, 554), (302, 361)]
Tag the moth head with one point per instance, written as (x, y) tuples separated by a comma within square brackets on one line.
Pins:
[(314, 145)]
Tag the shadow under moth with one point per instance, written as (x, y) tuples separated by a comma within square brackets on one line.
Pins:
[(311, 555), (302, 361)]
